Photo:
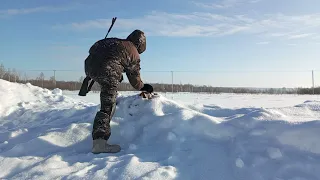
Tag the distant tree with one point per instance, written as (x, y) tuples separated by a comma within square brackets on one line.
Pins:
[(41, 78), (15, 75), (2, 71), (8, 74), (52, 79), (81, 79), (25, 77)]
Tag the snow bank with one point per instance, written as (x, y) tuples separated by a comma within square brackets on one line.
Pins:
[(46, 135), (225, 100)]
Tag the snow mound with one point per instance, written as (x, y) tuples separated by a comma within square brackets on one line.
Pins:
[(45, 135)]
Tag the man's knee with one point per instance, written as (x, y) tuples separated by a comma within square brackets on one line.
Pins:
[(101, 126), (108, 109), (108, 101)]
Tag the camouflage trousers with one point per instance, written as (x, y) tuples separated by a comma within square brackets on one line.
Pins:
[(108, 77), (101, 124)]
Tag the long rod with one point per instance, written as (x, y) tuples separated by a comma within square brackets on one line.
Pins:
[(112, 23)]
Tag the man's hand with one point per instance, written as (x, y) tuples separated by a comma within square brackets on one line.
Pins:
[(147, 87)]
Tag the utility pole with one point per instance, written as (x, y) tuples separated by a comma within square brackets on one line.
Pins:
[(312, 82), (54, 77), (172, 83)]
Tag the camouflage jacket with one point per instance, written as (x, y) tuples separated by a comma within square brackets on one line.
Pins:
[(122, 55)]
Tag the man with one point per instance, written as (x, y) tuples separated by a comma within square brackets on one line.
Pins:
[(108, 59)]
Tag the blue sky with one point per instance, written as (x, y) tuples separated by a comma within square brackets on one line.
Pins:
[(238, 41)]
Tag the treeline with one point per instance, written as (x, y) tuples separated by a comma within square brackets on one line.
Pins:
[(309, 90), (50, 83)]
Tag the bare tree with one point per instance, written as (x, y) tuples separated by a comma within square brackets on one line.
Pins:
[(2, 71), (81, 79), (52, 79), (41, 78), (15, 76), (25, 77), (9, 74)]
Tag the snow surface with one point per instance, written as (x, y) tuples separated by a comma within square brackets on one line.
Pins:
[(47, 135), (223, 100)]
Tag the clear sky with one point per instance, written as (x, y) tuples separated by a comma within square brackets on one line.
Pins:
[(238, 40)]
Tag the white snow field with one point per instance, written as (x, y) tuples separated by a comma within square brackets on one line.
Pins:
[(47, 135)]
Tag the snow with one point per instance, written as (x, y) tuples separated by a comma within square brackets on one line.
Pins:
[(223, 100), (239, 163), (47, 135), (274, 153)]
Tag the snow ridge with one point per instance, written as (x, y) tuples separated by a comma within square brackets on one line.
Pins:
[(45, 135)]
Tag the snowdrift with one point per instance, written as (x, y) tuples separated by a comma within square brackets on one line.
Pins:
[(45, 135)]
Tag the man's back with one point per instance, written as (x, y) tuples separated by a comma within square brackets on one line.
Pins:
[(115, 50)]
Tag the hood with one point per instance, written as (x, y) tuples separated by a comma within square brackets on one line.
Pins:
[(138, 38)]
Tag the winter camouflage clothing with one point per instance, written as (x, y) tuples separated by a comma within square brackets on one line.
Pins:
[(108, 59)]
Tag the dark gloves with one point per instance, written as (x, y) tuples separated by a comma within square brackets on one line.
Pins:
[(147, 87)]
